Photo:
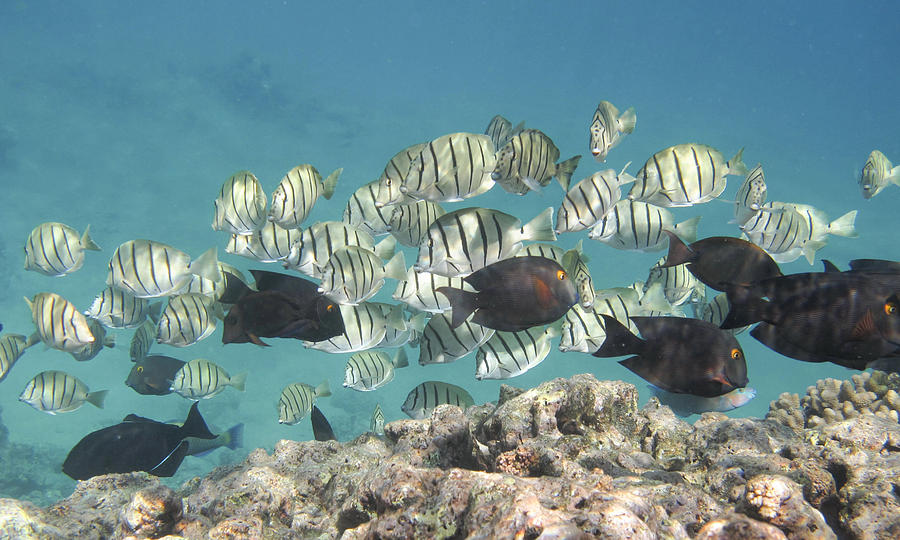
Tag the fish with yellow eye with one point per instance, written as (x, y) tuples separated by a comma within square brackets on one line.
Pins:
[(153, 375), (685, 356), (513, 294)]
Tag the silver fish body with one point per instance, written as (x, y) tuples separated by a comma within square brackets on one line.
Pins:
[(508, 354), (362, 212), (574, 261), (56, 391), (750, 196), (418, 290), (319, 241), (500, 130), (150, 269), (679, 284), (394, 175), (451, 168), (684, 174), (608, 128), (783, 233), (144, 338), (115, 308), (638, 226), (877, 174), (354, 274), (187, 319), (422, 399), (409, 222), (55, 249), (376, 423), (59, 323), (818, 222), (297, 399), (590, 199), (528, 162), (240, 207), (272, 243), (101, 340), (365, 326), (441, 344), (295, 195), (542, 249), (369, 370), (12, 347), (202, 379)]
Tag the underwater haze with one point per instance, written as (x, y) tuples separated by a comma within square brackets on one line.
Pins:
[(129, 117)]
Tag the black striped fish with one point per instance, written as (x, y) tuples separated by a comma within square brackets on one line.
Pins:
[(679, 284), (368, 370), (55, 249), (818, 222), (684, 174), (500, 130), (422, 399), (418, 290), (608, 128), (202, 379), (240, 207), (409, 222), (354, 274), (574, 262), (101, 340), (297, 399), (638, 226), (319, 241), (361, 211), (542, 249), (56, 392), (528, 162), (187, 319), (508, 354), (783, 233), (877, 174), (144, 338), (588, 201), (393, 176), (297, 192), (365, 325), (750, 196), (12, 347), (59, 323), (272, 243), (441, 344), (395, 337), (466, 240), (451, 168), (149, 269), (214, 289), (376, 423), (115, 308)]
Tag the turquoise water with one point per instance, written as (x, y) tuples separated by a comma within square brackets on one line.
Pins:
[(130, 116)]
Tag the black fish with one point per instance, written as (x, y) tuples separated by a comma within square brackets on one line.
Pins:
[(153, 375), (687, 356), (718, 261), (321, 428), (136, 444), (284, 306), (513, 294)]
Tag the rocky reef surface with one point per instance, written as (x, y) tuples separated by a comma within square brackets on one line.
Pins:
[(571, 458)]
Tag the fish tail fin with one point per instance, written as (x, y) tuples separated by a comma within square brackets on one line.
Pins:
[(329, 183), (207, 265), (894, 176), (462, 304), (396, 267), (809, 250), (235, 437), (687, 229), (195, 426), (87, 242), (238, 381), (401, 359), (744, 308), (735, 165), (679, 252), (417, 322), (619, 340), (33, 339), (844, 225), (564, 171), (386, 248), (155, 311), (627, 121), (97, 398), (324, 389), (540, 229)]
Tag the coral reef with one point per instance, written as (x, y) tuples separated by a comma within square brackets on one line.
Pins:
[(571, 458)]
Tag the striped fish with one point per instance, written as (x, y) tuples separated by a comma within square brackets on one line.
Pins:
[(362, 212), (12, 347), (214, 289), (409, 222), (508, 354), (750, 196), (574, 262), (56, 392), (101, 340), (115, 308), (417, 290), (241, 205), (394, 337), (369, 370), (59, 323), (319, 241), (528, 162), (144, 338), (608, 128), (272, 243), (638, 226), (376, 424), (354, 274), (818, 223), (451, 168), (441, 344), (590, 199), (365, 326), (202, 379), (296, 194), (684, 174), (187, 319), (541, 249), (55, 249), (783, 233), (149, 269), (715, 312), (422, 399), (394, 175), (297, 399), (679, 284), (463, 241), (500, 130), (877, 174)]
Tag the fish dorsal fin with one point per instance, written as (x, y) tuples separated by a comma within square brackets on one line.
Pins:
[(136, 418), (195, 426), (865, 327), (830, 266)]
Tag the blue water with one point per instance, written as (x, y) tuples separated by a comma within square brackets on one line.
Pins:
[(129, 117)]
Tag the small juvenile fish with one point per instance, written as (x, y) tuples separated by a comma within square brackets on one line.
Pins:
[(153, 375), (296, 194), (376, 424), (115, 308), (590, 199), (368, 370), (202, 379), (55, 249), (59, 323), (144, 338), (684, 175), (509, 354), (187, 319), (877, 174), (574, 262), (240, 207), (687, 404), (149, 269), (608, 128), (528, 162), (451, 168), (297, 399), (56, 392), (354, 274), (422, 399), (12, 347), (750, 196), (441, 344), (638, 226), (361, 211)]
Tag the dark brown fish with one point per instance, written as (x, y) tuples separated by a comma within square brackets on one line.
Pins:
[(513, 294), (687, 356), (153, 375), (284, 306), (321, 428), (721, 260)]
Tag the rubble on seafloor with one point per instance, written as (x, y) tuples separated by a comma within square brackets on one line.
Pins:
[(571, 458)]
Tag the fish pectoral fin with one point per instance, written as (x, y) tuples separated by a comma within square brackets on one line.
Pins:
[(169, 465), (865, 327), (255, 340)]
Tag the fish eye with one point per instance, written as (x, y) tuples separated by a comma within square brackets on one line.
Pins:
[(890, 308), (735, 354), (329, 308), (140, 369), (560, 275)]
